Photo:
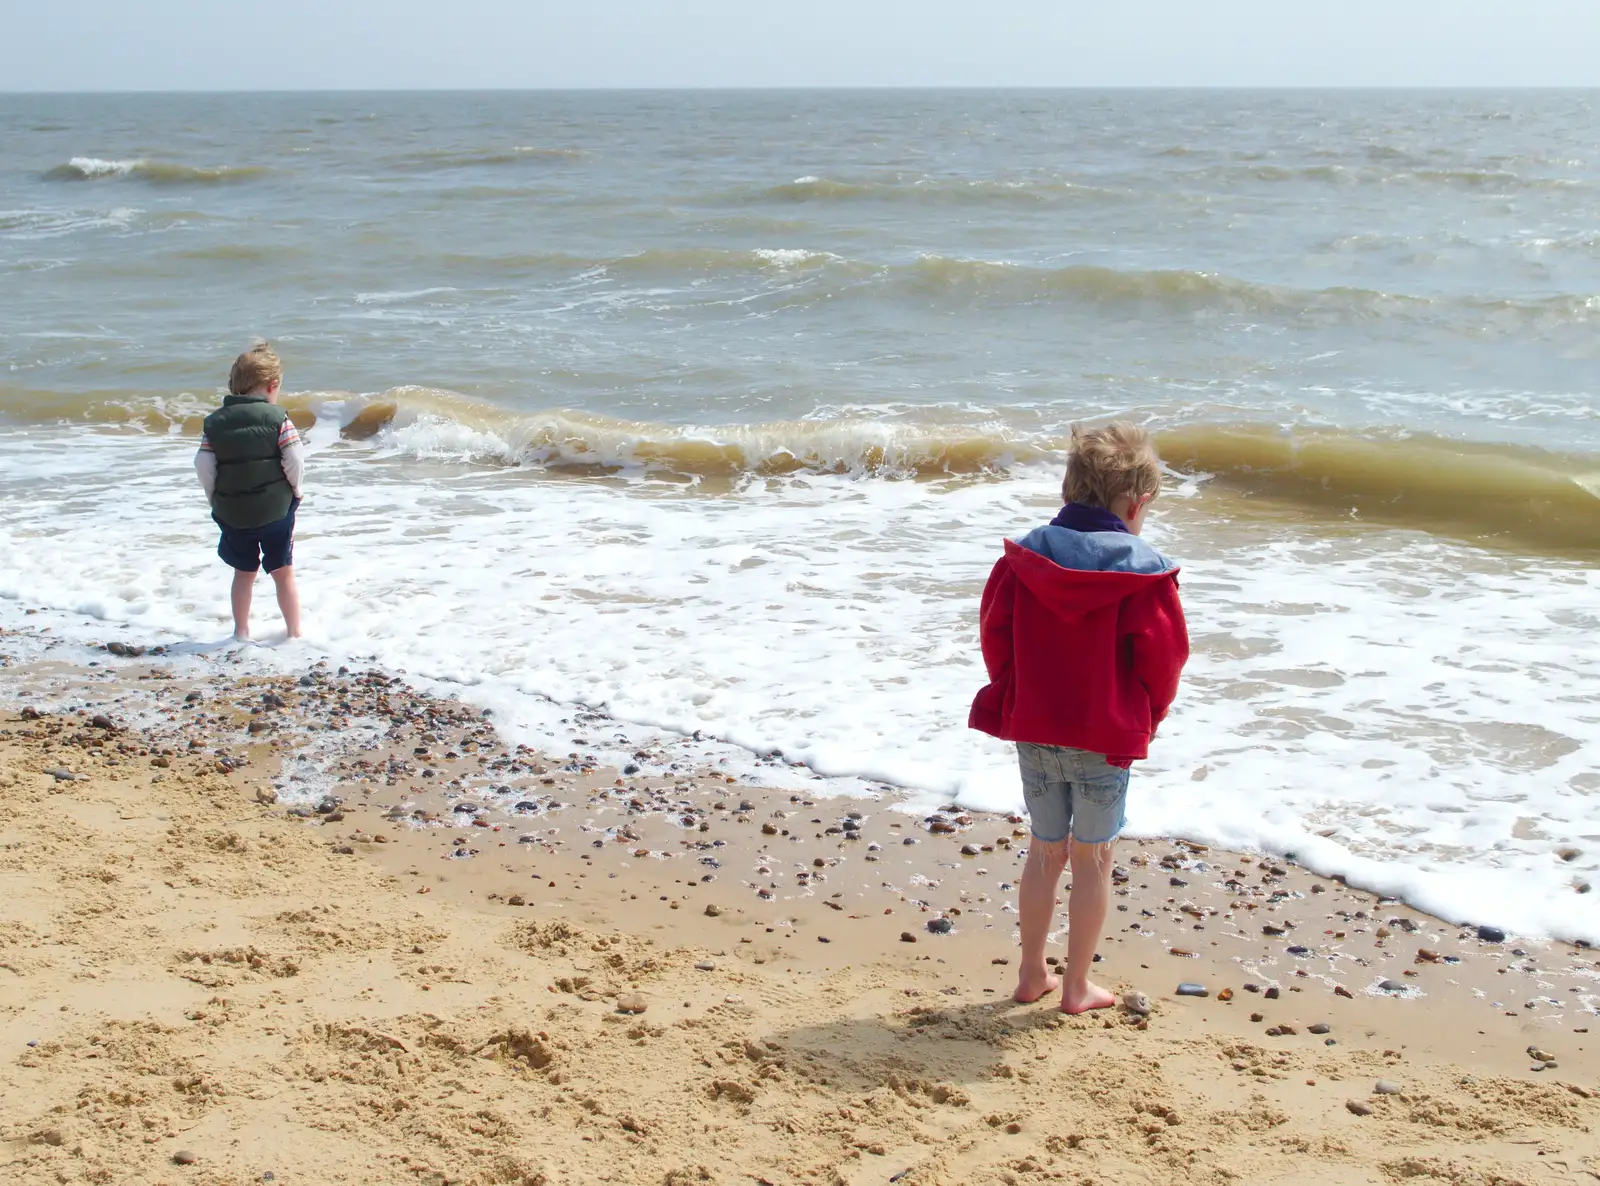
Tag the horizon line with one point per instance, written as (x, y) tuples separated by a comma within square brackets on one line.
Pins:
[(817, 89)]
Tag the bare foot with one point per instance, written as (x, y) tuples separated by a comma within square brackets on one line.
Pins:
[(1030, 988), (1092, 997)]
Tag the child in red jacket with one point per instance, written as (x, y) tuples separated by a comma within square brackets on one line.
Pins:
[(1083, 638)]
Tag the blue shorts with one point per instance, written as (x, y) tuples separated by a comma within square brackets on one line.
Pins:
[(270, 546), (1072, 791)]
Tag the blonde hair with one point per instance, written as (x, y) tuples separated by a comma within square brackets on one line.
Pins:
[(255, 368), (1108, 463)]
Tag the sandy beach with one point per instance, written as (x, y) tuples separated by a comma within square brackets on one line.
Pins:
[(472, 964)]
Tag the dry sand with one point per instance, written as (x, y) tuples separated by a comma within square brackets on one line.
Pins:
[(206, 979)]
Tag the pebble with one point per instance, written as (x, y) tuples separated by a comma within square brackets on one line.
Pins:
[(1386, 1087), (940, 926), (1298, 950), (266, 795), (907, 937), (713, 910), (184, 1157), (1491, 934), (30, 713), (101, 721), (1322, 1027), (631, 1002), (1540, 1055), (1359, 1108), (61, 775), (1225, 995), (705, 966), (1136, 1003), (1271, 992), (970, 850), (1390, 986), (1190, 989), (1257, 1017)]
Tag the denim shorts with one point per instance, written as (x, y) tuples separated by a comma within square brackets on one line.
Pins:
[(1072, 791), (270, 546)]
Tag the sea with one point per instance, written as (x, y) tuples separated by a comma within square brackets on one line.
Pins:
[(709, 412)]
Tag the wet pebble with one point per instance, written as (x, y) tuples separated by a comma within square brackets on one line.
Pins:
[(1390, 986), (1136, 1003), (1491, 934), (907, 937), (1322, 1027), (940, 926), (1271, 992), (1190, 989)]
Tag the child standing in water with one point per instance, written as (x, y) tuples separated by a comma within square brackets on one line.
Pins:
[(249, 464), (1083, 638)]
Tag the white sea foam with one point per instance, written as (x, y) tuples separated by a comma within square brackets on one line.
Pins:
[(53, 223), (390, 298), (1416, 715), (789, 257), (91, 166)]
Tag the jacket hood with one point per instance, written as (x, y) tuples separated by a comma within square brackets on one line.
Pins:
[(1077, 572)]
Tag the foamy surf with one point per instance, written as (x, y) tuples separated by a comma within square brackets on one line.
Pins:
[(1412, 714)]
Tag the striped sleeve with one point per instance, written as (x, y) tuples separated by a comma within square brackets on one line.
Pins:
[(205, 443), (287, 435)]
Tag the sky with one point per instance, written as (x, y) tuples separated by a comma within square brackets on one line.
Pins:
[(81, 45)]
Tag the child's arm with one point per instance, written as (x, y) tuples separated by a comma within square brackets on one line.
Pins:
[(205, 468), (1160, 647), (292, 455)]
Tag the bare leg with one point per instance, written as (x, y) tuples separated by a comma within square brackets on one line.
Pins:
[(288, 598), (1036, 906), (1086, 918), (243, 586)]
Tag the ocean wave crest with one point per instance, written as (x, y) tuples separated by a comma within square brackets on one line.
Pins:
[(1498, 494), (937, 190), (82, 168)]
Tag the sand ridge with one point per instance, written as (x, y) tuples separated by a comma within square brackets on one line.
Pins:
[(189, 973)]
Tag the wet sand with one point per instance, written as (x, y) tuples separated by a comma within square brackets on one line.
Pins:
[(327, 928)]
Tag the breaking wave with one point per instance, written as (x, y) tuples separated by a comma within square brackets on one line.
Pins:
[(1512, 495), (84, 168)]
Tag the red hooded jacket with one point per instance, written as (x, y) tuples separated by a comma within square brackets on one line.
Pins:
[(1084, 639)]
